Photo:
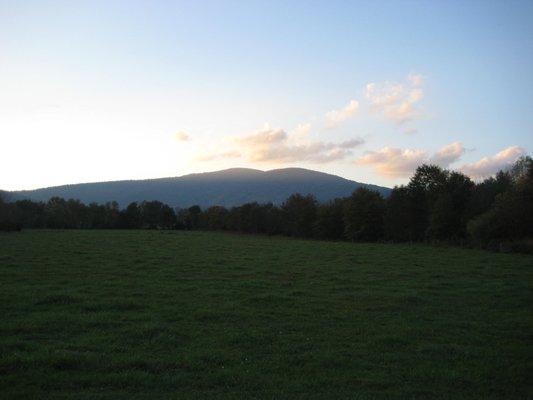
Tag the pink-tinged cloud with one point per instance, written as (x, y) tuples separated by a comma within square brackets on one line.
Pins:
[(181, 136), (393, 162), (397, 163), (396, 101), (301, 132), (335, 117), (448, 154), (219, 156), (276, 146), (488, 166)]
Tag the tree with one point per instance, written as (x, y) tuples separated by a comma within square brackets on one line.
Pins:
[(426, 185), (449, 211), (363, 216), (214, 218), (30, 214), (511, 215), (330, 220), (256, 218), (130, 218), (96, 216), (300, 215), (484, 193), (56, 213), (520, 168), (399, 215), (193, 217), (156, 215), (8, 221), (76, 214)]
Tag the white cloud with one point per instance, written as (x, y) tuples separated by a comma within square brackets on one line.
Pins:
[(275, 145), (266, 136), (270, 145), (301, 132), (335, 117), (488, 166), (396, 163), (393, 162), (448, 154), (415, 79), (218, 156), (181, 136), (396, 101)]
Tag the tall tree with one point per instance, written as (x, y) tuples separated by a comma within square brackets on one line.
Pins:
[(426, 185), (330, 220), (130, 218), (511, 215), (300, 214), (449, 211), (400, 215), (363, 216)]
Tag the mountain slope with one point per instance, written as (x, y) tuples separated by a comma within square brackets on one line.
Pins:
[(227, 188)]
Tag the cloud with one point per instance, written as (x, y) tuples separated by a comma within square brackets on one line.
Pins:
[(218, 156), (448, 154), (335, 117), (181, 136), (396, 163), (488, 166), (301, 131), (270, 145), (275, 145), (415, 79), (350, 144), (393, 162), (396, 101), (267, 136)]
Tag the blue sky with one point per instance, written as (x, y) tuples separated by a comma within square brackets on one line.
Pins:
[(94, 91)]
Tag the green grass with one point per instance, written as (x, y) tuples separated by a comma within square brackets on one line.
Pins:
[(189, 315)]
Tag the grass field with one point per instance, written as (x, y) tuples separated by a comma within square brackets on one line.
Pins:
[(158, 315)]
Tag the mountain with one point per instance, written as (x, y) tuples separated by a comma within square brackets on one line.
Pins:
[(226, 188)]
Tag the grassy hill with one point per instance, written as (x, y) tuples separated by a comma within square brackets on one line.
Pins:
[(227, 188), (189, 315)]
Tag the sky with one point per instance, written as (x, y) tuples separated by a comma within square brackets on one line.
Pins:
[(107, 90)]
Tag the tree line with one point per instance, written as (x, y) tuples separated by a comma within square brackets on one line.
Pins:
[(437, 205)]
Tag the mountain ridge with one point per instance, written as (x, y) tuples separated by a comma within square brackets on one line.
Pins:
[(228, 187)]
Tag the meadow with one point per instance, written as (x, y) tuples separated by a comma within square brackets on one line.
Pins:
[(103, 314)]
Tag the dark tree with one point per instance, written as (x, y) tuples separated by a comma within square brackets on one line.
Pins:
[(56, 213), (214, 218), (400, 215), (449, 211), (97, 216), (300, 215), (484, 193), (426, 185), (363, 216), (30, 214), (8, 218), (330, 220), (156, 215), (520, 168), (193, 217), (510, 217), (130, 218)]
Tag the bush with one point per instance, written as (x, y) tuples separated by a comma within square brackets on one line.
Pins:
[(9, 226)]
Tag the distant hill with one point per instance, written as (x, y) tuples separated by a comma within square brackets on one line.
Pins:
[(6, 196), (226, 188)]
